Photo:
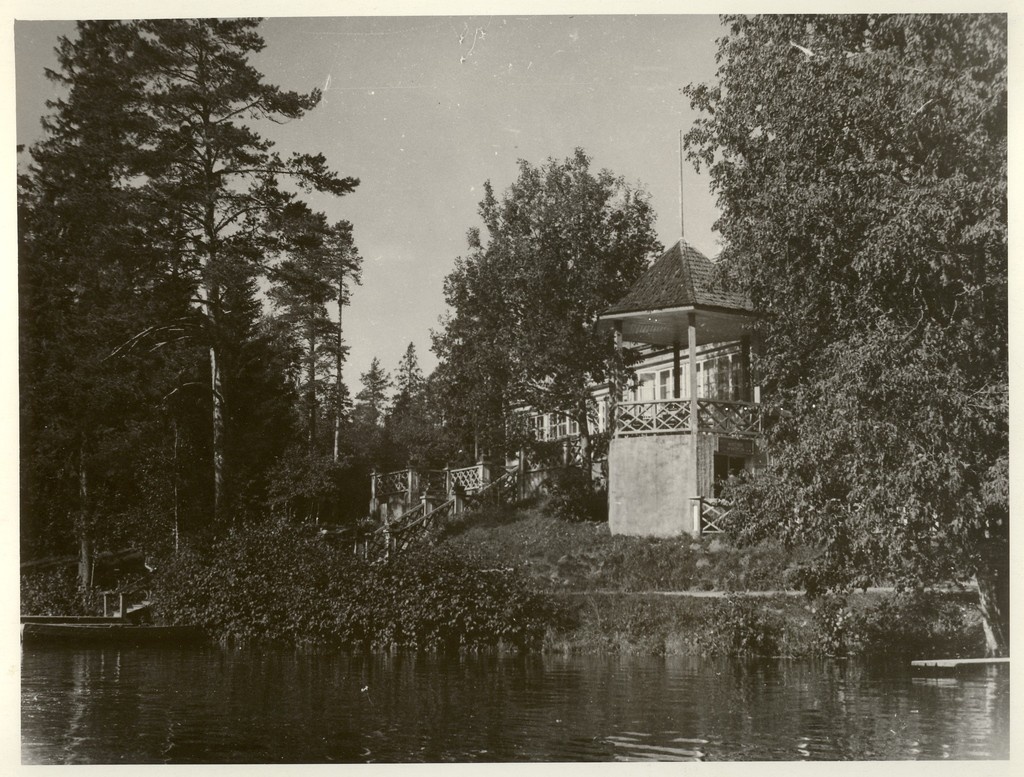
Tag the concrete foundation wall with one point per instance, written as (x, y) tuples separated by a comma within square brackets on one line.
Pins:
[(650, 483)]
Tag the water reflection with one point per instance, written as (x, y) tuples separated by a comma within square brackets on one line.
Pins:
[(205, 705)]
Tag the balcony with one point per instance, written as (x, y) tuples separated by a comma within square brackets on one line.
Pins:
[(672, 416)]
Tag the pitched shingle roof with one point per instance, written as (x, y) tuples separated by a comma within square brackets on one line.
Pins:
[(680, 277)]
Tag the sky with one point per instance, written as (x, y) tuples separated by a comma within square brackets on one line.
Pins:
[(425, 109)]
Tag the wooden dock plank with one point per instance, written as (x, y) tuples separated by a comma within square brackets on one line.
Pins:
[(953, 663)]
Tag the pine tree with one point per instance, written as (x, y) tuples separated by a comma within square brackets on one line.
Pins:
[(218, 179), (372, 399), (88, 278)]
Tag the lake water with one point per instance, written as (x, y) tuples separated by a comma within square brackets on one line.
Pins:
[(208, 705)]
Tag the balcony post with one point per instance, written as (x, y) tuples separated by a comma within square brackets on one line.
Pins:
[(691, 337), (616, 387), (677, 376)]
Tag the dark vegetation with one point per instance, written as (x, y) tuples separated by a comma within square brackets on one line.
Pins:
[(860, 165), (279, 586), (860, 168)]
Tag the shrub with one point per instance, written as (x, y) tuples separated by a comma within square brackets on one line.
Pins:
[(278, 586), (918, 623), (832, 620), (572, 497), (744, 626), (56, 592)]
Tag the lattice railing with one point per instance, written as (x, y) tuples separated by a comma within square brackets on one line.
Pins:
[(732, 419), (410, 533), (387, 483), (574, 451), (470, 479), (656, 417), (502, 488), (710, 514)]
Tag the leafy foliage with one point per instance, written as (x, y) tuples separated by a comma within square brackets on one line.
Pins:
[(860, 165), (562, 244), (913, 623), (280, 586), (55, 592), (572, 496)]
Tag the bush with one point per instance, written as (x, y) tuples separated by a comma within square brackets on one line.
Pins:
[(921, 624), (56, 592), (572, 497), (911, 623), (745, 627), (277, 586)]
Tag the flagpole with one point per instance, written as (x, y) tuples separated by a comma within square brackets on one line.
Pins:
[(682, 220)]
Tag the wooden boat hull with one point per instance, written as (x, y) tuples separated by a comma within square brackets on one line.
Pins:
[(107, 634)]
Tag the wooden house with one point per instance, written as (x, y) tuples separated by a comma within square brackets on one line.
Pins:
[(688, 417)]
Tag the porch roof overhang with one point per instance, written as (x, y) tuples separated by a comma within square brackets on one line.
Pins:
[(670, 326)]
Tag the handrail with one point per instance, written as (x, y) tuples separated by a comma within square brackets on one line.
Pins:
[(657, 416), (672, 416)]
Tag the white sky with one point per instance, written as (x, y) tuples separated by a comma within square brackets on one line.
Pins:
[(425, 109)]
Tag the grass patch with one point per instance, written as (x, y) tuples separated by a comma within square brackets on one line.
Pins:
[(584, 556)]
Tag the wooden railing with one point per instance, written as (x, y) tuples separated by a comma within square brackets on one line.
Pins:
[(709, 515), (469, 479), (730, 419), (413, 481), (664, 416), (387, 483), (504, 488), (395, 536), (672, 416)]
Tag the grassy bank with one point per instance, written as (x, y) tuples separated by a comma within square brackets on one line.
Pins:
[(629, 595), (558, 555), (520, 579)]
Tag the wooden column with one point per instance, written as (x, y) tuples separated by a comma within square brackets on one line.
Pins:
[(691, 341), (676, 372), (616, 381)]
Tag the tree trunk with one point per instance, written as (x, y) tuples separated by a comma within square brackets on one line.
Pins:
[(586, 454), (337, 371), (174, 423), (311, 388), (218, 434), (85, 549), (993, 581)]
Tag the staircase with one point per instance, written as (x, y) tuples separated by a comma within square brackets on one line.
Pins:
[(413, 526)]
